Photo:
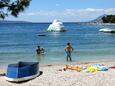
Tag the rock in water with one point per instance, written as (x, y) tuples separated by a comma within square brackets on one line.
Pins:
[(56, 26)]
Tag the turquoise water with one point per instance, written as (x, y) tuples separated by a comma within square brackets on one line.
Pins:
[(18, 42)]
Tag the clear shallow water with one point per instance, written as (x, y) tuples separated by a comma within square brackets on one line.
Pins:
[(18, 42)]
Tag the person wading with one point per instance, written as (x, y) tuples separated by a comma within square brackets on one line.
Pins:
[(68, 49), (40, 50)]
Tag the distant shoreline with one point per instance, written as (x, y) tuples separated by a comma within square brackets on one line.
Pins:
[(26, 22), (98, 23)]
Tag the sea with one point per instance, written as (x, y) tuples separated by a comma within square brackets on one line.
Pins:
[(19, 41)]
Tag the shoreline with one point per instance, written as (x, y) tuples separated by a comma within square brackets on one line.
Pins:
[(72, 63), (80, 62)]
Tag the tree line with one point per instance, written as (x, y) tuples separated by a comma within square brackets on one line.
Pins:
[(109, 19)]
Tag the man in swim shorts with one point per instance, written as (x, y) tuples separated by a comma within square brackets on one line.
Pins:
[(68, 49)]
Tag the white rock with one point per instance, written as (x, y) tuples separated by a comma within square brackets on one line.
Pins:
[(56, 26)]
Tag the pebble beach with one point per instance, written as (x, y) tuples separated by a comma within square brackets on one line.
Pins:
[(54, 75)]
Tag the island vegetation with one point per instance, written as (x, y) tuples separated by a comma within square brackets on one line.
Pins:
[(108, 19)]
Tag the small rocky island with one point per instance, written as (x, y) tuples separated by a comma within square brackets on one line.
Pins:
[(56, 26)]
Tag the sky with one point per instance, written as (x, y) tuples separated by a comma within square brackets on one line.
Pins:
[(65, 10)]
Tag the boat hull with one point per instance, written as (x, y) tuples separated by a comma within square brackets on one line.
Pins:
[(107, 30), (22, 71), (22, 79)]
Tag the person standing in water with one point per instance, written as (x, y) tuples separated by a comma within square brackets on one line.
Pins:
[(68, 49), (39, 50)]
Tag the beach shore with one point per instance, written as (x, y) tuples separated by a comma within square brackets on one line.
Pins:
[(54, 75)]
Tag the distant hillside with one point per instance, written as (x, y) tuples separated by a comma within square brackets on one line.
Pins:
[(99, 19), (108, 19), (5, 21)]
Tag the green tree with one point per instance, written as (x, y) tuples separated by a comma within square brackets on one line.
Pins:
[(12, 7)]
